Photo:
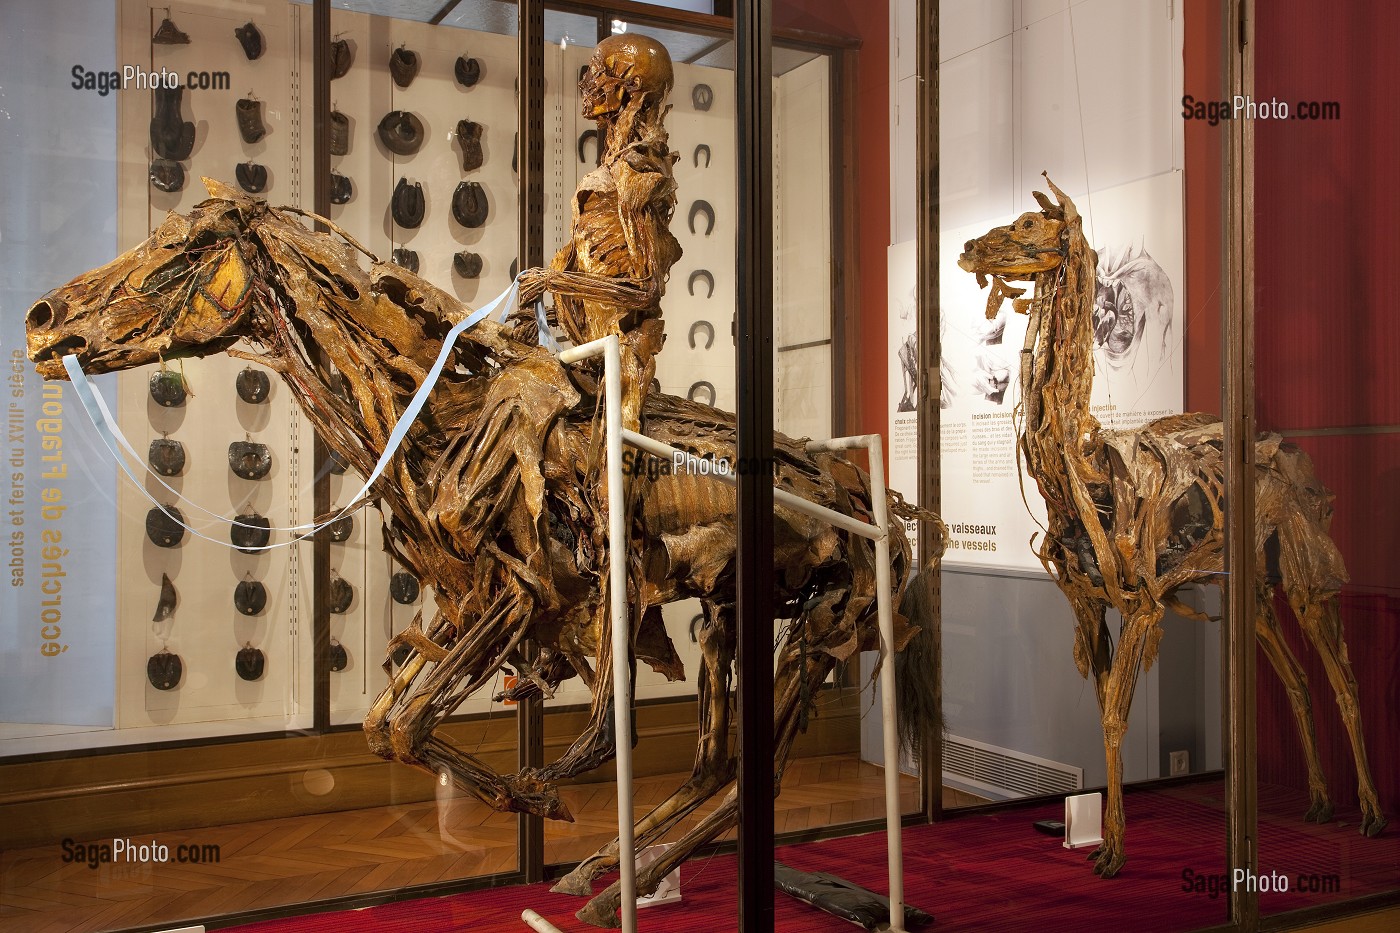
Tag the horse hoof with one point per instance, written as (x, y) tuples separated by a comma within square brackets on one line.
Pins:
[(602, 910), (573, 884)]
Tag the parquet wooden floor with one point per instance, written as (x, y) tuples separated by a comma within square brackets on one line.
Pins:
[(273, 863)]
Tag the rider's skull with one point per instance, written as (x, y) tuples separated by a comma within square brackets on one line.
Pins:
[(623, 69)]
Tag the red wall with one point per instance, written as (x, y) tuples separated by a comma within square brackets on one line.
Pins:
[(1327, 322), (869, 22)]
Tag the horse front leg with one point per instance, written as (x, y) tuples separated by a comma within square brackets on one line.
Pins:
[(400, 725)]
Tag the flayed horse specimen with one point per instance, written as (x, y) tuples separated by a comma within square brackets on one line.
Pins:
[(495, 498), (1134, 515)]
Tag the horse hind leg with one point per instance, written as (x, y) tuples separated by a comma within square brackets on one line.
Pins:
[(713, 769), (1295, 682), (796, 669), (1322, 624)]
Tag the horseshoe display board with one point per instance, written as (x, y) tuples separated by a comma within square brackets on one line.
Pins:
[(206, 629)]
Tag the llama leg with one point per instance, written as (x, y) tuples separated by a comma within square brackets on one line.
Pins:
[(1295, 682), (713, 767), (1118, 700), (1323, 626), (1093, 646)]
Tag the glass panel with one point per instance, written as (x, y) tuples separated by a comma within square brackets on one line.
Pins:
[(696, 362), (1052, 388), (1328, 764), (182, 671)]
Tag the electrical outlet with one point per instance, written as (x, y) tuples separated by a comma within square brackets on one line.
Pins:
[(1180, 763)]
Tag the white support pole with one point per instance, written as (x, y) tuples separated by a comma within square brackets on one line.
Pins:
[(535, 922), (888, 709), (617, 592), (893, 822)]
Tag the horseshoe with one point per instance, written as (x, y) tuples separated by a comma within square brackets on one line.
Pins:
[(707, 386), (701, 274), (702, 207), (699, 149), (709, 330), (584, 137), (694, 625)]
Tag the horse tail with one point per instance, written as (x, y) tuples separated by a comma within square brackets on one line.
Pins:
[(917, 673)]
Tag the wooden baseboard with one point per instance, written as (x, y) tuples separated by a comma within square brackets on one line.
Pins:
[(126, 794)]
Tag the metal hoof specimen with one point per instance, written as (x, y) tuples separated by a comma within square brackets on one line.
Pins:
[(403, 66), (408, 205), (584, 137), (469, 204), (251, 176), (341, 189), (340, 133), (469, 138), (467, 71), (165, 526), (165, 606), (251, 38), (164, 670), (704, 385), (709, 331), (250, 532), (341, 57), (166, 456), (168, 175), (699, 149), (250, 121), (702, 96), (401, 132), (249, 663), (406, 258), (249, 459), (252, 385), (701, 275), (702, 207)]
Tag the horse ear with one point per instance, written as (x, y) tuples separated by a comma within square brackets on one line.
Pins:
[(218, 189)]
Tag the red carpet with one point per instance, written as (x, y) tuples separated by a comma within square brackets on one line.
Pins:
[(988, 872)]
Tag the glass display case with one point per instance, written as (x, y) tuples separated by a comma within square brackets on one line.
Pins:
[(1020, 242)]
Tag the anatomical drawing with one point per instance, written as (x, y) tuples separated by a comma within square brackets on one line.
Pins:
[(496, 499), (1133, 300), (1134, 515)]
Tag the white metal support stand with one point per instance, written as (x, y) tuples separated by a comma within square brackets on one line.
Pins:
[(610, 348)]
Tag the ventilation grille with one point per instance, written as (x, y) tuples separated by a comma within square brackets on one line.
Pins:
[(1004, 772)]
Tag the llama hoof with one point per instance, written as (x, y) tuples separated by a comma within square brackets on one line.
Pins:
[(1108, 862), (1372, 823), (1320, 812), (602, 910), (573, 883)]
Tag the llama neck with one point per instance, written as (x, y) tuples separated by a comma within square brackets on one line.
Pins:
[(1058, 376)]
